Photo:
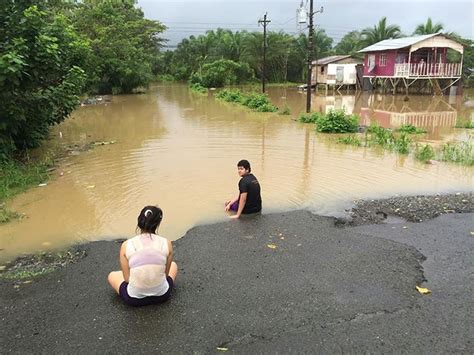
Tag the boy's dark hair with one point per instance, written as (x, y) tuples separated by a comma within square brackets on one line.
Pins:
[(149, 219), (244, 164)]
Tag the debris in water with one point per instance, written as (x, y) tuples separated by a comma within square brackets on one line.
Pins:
[(90, 187), (46, 244), (272, 246), (222, 349), (423, 290), (43, 185)]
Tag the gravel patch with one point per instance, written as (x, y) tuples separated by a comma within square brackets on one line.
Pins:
[(410, 208)]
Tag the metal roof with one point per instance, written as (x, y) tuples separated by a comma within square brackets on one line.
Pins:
[(330, 59), (396, 43)]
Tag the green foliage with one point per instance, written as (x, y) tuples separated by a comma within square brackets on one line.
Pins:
[(350, 140), (380, 32), (254, 101), (310, 117), (165, 78), (286, 54), (6, 215), (465, 124), (230, 95), (424, 153), (337, 121), (349, 44), (198, 88), (16, 176), (222, 72), (401, 144), (286, 110), (40, 81), (410, 129), (125, 45), (428, 28), (458, 152)]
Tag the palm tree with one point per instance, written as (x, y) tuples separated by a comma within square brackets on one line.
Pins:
[(428, 28), (380, 32)]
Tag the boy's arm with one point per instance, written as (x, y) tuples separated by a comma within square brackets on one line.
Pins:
[(243, 200), (230, 203)]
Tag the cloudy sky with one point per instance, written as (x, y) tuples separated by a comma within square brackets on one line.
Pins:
[(192, 17)]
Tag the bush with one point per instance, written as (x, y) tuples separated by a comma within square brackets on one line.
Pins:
[(410, 129), (165, 78), (40, 83), (230, 95), (337, 121), (198, 88), (424, 153), (254, 101), (223, 72), (310, 117), (402, 144)]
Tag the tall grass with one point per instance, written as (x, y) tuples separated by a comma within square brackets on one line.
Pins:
[(458, 152), (424, 153), (16, 177)]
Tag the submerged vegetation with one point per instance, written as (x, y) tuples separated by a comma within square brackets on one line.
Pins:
[(401, 142), (335, 121), (198, 88), (410, 129), (254, 101), (465, 124)]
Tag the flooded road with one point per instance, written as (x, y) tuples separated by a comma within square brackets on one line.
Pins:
[(179, 150)]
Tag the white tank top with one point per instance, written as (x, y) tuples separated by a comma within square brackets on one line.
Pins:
[(147, 255)]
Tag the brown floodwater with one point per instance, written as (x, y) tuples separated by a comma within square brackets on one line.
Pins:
[(179, 150)]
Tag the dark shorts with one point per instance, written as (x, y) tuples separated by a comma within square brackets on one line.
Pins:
[(137, 302)]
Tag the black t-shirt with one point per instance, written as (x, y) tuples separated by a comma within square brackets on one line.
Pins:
[(250, 185)]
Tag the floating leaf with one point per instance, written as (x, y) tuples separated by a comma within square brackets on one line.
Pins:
[(423, 291), (272, 246)]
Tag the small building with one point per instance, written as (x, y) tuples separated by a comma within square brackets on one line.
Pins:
[(337, 71), (419, 62)]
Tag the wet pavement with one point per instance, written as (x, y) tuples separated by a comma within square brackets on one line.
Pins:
[(290, 282)]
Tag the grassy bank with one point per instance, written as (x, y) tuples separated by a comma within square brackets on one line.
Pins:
[(17, 176)]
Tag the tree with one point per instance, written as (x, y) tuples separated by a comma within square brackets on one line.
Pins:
[(380, 32), (428, 28), (349, 44), (124, 44), (40, 72)]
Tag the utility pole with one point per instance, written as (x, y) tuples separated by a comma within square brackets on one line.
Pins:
[(310, 55), (310, 58), (264, 21)]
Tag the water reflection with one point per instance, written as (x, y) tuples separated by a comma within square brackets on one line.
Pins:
[(179, 149)]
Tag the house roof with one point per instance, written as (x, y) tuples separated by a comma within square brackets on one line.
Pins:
[(330, 59), (396, 43)]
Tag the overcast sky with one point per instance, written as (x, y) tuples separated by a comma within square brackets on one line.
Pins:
[(192, 17)]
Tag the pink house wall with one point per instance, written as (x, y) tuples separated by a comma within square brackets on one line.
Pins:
[(379, 70), (391, 60)]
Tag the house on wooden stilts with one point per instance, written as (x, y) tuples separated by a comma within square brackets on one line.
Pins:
[(337, 71), (419, 64)]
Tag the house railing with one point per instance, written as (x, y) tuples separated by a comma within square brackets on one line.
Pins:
[(428, 70)]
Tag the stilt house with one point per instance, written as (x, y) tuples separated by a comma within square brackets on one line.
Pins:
[(420, 62)]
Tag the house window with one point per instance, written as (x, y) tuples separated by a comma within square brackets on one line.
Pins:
[(371, 62), (322, 70), (383, 60)]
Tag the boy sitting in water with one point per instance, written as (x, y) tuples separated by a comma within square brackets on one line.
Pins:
[(249, 199)]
